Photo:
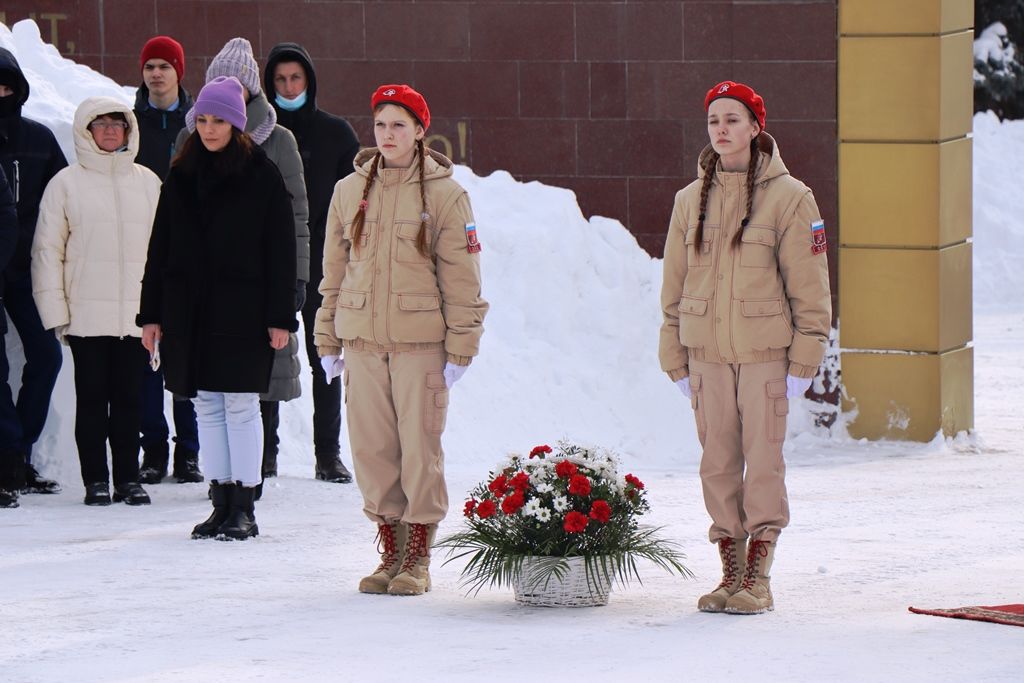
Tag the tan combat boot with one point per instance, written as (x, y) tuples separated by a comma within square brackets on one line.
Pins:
[(390, 541), (731, 550), (414, 575), (755, 593)]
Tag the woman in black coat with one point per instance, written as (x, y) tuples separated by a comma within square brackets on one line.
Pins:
[(218, 296)]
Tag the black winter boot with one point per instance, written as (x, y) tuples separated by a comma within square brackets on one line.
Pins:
[(131, 493), (154, 463), (12, 479), (330, 468), (221, 495), (241, 522), (34, 483), (186, 465), (270, 413)]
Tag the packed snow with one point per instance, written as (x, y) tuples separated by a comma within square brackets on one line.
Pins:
[(123, 594)]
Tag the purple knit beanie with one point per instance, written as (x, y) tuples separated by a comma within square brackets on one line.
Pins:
[(222, 97)]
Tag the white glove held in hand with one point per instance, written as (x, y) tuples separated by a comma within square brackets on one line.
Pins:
[(796, 387), (333, 366), (684, 386), (453, 373)]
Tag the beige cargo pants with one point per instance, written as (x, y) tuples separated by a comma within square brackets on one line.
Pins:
[(396, 404), (741, 423)]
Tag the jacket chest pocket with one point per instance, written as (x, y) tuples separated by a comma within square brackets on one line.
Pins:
[(699, 256), (757, 249), (360, 251), (405, 249)]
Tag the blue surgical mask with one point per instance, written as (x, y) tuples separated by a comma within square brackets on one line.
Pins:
[(291, 105)]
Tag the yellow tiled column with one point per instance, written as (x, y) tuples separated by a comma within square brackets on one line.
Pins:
[(905, 106)]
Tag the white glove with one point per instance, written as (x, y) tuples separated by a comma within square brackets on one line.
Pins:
[(796, 387), (684, 386), (333, 366), (453, 373)]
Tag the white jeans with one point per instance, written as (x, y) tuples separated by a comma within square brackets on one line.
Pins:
[(230, 436)]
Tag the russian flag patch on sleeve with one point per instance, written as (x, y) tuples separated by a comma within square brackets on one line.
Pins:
[(818, 243)]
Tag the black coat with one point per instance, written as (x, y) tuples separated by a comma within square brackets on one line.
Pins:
[(220, 271), (158, 130), (8, 223), (30, 157), (327, 145)]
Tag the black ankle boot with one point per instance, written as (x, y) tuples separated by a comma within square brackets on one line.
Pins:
[(186, 465), (34, 483), (241, 522), (12, 479), (330, 468), (154, 463), (222, 496)]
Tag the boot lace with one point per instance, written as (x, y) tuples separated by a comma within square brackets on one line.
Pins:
[(730, 567), (757, 549), (387, 546), (415, 547)]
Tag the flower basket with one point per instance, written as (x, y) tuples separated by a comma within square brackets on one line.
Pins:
[(537, 585), (559, 527)]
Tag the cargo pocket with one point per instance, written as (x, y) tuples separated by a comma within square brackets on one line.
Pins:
[(757, 248), (358, 252), (777, 408), (699, 257), (435, 410), (405, 243), (697, 403)]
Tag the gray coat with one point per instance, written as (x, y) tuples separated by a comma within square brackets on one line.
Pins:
[(280, 146)]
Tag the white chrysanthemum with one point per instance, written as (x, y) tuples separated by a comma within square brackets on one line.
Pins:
[(543, 515), (544, 487), (532, 508), (560, 503)]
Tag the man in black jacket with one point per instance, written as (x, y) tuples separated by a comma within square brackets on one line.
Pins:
[(12, 463), (160, 107), (30, 157), (327, 145)]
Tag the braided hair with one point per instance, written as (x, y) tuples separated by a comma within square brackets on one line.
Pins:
[(421, 236), (710, 165), (360, 217), (755, 156)]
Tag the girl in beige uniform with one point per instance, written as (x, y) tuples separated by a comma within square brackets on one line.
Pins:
[(402, 302), (747, 313)]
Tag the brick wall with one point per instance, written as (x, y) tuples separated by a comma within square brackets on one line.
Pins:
[(604, 98)]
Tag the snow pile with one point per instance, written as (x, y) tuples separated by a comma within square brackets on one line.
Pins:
[(994, 50)]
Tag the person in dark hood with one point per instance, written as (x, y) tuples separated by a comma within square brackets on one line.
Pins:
[(30, 157), (12, 465), (328, 146), (161, 104)]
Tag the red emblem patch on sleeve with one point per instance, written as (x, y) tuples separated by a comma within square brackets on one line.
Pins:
[(818, 242), (472, 243)]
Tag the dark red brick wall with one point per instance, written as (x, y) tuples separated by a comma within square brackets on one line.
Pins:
[(605, 98)]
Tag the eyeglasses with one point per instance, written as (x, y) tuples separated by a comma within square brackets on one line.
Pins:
[(103, 125)]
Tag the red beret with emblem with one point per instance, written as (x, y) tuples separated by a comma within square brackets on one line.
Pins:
[(741, 93), (403, 96)]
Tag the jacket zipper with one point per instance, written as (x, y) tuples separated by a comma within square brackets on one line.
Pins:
[(17, 182)]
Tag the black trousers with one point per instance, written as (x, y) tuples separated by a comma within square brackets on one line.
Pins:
[(108, 383), (326, 397)]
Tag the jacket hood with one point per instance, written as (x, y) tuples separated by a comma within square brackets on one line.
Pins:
[(10, 64), (142, 99), (437, 165), (770, 166), (89, 154), (291, 52)]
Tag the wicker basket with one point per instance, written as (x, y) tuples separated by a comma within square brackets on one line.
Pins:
[(536, 585)]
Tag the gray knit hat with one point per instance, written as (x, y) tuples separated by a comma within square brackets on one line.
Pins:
[(236, 59)]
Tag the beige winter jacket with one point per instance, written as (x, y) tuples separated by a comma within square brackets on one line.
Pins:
[(89, 251), (386, 292), (767, 300)]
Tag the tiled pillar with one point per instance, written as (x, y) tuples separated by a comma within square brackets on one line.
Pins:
[(905, 216)]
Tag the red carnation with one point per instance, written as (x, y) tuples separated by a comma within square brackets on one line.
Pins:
[(540, 451), (512, 504), (470, 504), (499, 486), (486, 509), (575, 522), (521, 481), (636, 483), (579, 485), (601, 511), (565, 469)]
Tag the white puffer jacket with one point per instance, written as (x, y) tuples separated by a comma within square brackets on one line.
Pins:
[(89, 251)]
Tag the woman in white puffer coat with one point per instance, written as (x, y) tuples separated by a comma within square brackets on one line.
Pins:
[(88, 258)]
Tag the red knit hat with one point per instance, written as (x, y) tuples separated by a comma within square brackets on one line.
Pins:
[(167, 49), (403, 96), (741, 93)]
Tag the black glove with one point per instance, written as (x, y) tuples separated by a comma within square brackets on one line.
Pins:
[(300, 294)]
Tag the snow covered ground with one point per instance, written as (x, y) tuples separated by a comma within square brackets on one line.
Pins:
[(122, 594)]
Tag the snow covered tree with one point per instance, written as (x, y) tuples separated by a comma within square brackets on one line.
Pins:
[(998, 71)]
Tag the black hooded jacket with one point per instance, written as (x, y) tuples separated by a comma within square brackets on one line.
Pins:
[(327, 145), (30, 157), (158, 130)]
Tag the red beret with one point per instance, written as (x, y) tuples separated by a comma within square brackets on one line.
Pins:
[(403, 96), (167, 49), (741, 93)]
